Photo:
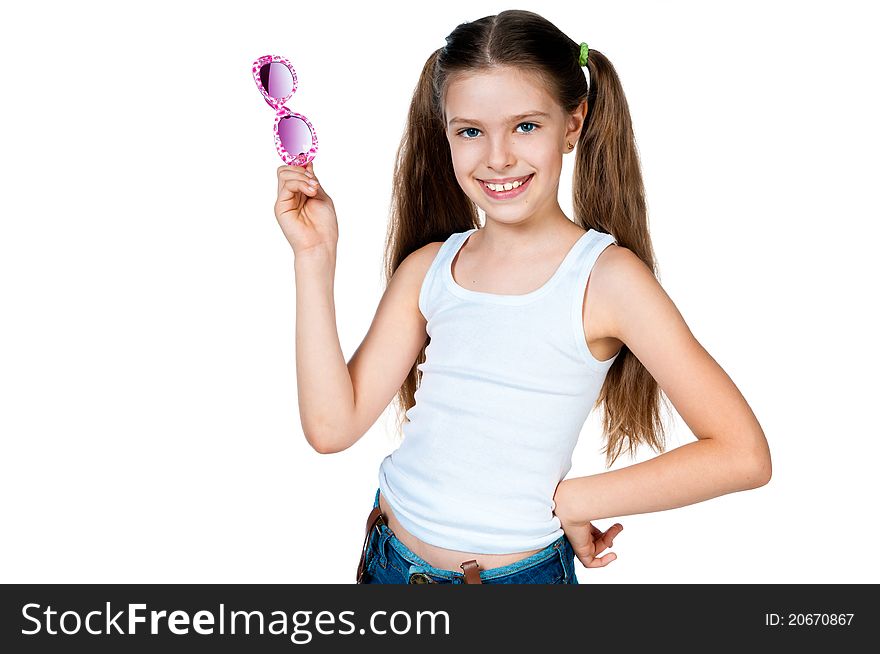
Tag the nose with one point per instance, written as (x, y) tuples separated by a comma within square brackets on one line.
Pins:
[(501, 156)]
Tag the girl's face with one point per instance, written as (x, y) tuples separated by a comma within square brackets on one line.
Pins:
[(502, 125)]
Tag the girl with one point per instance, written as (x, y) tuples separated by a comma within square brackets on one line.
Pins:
[(512, 330)]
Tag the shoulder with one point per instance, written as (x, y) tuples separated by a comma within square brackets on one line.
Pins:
[(400, 299), (619, 266), (417, 262), (624, 290), (411, 272)]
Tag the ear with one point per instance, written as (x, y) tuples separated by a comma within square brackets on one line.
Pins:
[(576, 122)]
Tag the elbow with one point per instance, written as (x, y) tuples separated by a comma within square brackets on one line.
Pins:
[(324, 440), (755, 467), (321, 445), (318, 437), (759, 471)]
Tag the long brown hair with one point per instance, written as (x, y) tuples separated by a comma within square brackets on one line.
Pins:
[(608, 193)]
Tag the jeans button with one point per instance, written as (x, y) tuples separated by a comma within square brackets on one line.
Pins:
[(419, 578)]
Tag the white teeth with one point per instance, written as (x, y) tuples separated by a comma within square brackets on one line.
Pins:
[(506, 187)]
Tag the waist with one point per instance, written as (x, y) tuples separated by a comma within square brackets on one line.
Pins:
[(441, 557)]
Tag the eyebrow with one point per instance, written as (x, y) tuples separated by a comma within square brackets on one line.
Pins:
[(509, 118)]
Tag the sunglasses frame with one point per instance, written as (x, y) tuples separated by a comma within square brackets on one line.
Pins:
[(282, 112)]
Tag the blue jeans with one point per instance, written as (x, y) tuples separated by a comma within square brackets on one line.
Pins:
[(389, 561)]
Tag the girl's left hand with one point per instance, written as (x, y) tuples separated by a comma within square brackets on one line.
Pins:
[(586, 540)]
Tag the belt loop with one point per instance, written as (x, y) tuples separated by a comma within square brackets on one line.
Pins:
[(382, 545), (372, 523), (562, 551), (471, 572)]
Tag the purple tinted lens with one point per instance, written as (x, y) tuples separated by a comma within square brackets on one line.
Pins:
[(277, 80), (296, 137)]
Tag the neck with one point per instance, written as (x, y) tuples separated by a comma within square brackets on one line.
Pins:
[(525, 238)]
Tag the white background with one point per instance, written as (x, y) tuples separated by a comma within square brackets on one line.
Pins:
[(148, 402)]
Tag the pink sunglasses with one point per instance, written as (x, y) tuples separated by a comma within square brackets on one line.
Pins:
[(295, 138)]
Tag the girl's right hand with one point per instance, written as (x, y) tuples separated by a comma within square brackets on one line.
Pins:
[(305, 213)]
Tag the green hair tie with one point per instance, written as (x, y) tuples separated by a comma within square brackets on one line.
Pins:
[(585, 53)]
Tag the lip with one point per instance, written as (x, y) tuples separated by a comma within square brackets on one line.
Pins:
[(506, 195), (505, 180)]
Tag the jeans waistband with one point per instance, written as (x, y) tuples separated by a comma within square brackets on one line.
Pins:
[(418, 564)]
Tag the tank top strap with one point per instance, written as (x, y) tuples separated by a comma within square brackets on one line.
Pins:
[(434, 276), (584, 258), (452, 245), (579, 274)]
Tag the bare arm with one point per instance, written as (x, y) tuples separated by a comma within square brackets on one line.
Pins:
[(338, 401), (731, 453), (323, 384)]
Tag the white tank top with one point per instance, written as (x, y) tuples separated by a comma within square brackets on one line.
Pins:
[(507, 384)]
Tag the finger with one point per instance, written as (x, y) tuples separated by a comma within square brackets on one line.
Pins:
[(311, 187), (601, 561), (292, 175), (288, 169), (299, 185), (298, 172), (297, 182), (315, 184), (609, 536), (605, 539), (287, 173), (295, 173)]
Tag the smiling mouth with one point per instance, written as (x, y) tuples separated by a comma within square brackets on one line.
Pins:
[(501, 192), (506, 186)]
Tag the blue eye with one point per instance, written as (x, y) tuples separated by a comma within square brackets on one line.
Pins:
[(474, 129)]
